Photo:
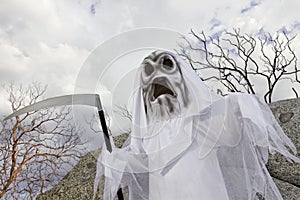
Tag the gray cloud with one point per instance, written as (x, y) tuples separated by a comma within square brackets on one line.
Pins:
[(48, 41)]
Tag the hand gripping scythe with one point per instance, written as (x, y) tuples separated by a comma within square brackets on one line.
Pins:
[(76, 99)]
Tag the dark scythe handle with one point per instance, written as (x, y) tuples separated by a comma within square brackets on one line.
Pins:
[(108, 144), (105, 131)]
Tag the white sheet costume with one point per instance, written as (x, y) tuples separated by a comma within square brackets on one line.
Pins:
[(189, 143)]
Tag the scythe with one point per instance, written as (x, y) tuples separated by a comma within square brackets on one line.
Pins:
[(75, 99)]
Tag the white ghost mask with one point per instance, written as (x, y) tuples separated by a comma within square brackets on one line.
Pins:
[(168, 94), (163, 87)]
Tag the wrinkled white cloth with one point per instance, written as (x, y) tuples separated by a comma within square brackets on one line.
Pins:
[(213, 147)]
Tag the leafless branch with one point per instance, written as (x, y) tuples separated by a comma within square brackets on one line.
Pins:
[(37, 148), (236, 60)]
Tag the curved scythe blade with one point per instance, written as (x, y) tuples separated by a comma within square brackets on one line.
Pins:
[(75, 99)]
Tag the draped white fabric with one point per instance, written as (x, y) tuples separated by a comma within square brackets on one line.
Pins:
[(189, 143)]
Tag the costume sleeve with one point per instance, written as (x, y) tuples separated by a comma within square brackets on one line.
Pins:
[(270, 134), (243, 165)]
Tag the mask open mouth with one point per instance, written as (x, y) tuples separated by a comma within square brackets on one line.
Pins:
[(161, 87)]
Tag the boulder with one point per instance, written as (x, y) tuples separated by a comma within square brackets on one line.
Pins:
[(287, 190), (287, 112), (78, 183)]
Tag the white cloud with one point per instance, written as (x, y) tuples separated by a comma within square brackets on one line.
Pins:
[(49, 40)]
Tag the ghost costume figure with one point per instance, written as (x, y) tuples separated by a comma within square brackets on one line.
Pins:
[(189, 143)]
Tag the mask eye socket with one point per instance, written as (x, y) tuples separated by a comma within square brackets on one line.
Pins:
[(167, 63), (148, 69)]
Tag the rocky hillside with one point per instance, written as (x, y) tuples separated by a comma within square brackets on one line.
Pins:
[(78, 184)]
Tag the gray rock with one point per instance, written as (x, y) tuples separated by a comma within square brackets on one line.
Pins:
[(287, 190), (78, 184), (285, 117), (287, 112)]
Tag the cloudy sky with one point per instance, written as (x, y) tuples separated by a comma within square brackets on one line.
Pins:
[(49, 40)]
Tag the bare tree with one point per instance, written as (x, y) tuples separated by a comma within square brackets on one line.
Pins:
[(37, 148), (236, 60), (124, 112)]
